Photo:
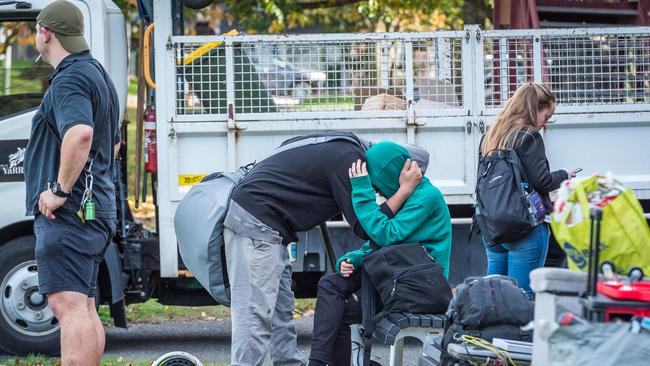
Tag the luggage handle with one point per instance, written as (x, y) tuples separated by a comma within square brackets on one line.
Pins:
[(595, 216)]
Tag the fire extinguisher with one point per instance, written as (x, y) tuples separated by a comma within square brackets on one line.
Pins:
[(150, 146)]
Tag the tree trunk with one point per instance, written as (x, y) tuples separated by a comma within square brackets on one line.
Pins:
[(477, 12)]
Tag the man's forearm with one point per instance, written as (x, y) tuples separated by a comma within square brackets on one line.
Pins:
[(75, 148)]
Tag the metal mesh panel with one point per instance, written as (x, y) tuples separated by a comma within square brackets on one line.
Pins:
[(508, 63), (437, 66), (331, 73), (296, 75), (328, 76), (201, 79), (292, 76), (596, 70)]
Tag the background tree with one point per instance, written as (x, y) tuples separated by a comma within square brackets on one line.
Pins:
[(275, 16), (272, 16)]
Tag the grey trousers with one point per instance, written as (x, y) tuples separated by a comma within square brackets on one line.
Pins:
[(261, 296)]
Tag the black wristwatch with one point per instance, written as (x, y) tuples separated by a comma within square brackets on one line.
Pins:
[(58, 191)]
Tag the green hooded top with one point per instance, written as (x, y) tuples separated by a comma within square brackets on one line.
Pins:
[(423, 218)]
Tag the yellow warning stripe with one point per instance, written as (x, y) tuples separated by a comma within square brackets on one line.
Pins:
[(205, 48), (190, 179)]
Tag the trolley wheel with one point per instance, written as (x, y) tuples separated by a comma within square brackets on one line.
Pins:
[(635, 274), (177, 358), (608, 269)]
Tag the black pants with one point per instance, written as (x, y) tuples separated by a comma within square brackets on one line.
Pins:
[(336, 309)]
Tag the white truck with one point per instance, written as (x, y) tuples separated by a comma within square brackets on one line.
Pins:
[(224, 101)]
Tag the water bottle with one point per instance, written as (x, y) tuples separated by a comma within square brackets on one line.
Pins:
[(89, 210), (292, 248)]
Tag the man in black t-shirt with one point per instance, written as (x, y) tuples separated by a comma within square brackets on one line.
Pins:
[(74, 135)]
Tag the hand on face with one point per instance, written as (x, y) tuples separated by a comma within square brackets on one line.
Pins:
[(410, 176), (358, 169)]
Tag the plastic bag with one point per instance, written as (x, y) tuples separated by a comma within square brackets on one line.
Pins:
[(624, 236)]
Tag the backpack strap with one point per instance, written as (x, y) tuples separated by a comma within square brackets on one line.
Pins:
[(319, 140), (511, 146), (313, 140), (474, 228)]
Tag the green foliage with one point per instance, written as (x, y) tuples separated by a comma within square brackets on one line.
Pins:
[(272, 16), (127, 6)]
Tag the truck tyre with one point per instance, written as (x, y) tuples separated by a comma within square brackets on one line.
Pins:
[(27, 324)]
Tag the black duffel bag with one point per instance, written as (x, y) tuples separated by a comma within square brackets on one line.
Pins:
[(407, 280)]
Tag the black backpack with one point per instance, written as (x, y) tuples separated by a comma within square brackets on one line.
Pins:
[(502, 210), (489, 307)]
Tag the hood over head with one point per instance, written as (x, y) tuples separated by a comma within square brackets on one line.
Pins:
[(385, 162)]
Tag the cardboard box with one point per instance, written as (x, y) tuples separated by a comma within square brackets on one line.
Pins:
[(383, 102)]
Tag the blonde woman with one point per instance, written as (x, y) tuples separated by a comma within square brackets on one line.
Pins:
[(517, 126)]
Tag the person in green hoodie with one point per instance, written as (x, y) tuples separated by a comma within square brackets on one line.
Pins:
[(420, 214)]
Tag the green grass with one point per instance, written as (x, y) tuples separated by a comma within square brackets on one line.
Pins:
[(324, 103), (37, 360), (151, 312), (343, 99)]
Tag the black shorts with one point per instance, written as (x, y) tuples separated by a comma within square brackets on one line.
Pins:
[(69, 252)]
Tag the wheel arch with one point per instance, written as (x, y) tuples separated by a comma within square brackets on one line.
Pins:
[(16, 230)]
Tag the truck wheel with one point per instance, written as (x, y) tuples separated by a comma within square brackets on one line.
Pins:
[(27, 324)]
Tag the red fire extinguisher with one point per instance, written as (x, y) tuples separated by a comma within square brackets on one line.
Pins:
[(150, 145)]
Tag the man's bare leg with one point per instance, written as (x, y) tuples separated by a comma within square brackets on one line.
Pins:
[(99, 328), (79, 340)]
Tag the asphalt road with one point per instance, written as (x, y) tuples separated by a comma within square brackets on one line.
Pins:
[(209, 340)]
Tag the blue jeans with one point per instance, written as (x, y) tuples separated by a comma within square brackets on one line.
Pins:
[(518, 259)]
